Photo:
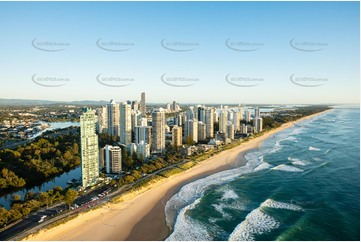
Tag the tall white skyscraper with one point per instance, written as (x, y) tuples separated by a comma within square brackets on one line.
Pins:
[(136, 118), (209, 120), (89, 148), (230, 131), (258, 124), (112, 159), (158, 130), (241, 112), (215, 117), (190, 113), (113, 118), (191, 130), (236, 120), (142, 106), (223, 120), (247, 116), (102, 119), (125, 124), (257, 113)]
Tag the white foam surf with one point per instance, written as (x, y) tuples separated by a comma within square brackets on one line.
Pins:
[(190, 192), (262, 166), (187, 229), (258, 222), (288, 168), (313, 148), (220, 209), (229, 194), (270, 203), (299, 162), (255, 223)]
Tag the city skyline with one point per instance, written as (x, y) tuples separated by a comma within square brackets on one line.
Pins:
[(233, 53)]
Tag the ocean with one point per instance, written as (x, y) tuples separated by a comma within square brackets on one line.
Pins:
[(302, 183)]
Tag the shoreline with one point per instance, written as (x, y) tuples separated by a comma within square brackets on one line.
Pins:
[(142, 216)]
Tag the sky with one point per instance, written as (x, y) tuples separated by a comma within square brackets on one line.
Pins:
[(191, 52)]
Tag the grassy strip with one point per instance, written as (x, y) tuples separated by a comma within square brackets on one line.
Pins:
[(187, 165), (171, 172), (136, 189)]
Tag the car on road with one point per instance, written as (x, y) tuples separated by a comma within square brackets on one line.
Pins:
[(42, 218)]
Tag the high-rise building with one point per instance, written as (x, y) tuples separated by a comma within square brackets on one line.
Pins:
[(178, 119), (236, 120), (230, 115), (131, 148), (223, 120), (143, 122), (168, 107), (136, 119), (113, 118), (135, 105), (230, 131), (158, 130), (191, 130), (258, 124), (101, 158), (247, 116), (241, 112), (202, 134), (89, 148), (216, 117), (257, 113), (177, 136), (201, 114), (142, 107), (174, 106), (190, 113), (125, 124), (102, 124), (143, 133), (243, 129), (143, 150), (209, 120), (167, 129), (112, 159)]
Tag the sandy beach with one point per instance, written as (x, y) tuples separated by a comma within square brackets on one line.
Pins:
[(142, 216)]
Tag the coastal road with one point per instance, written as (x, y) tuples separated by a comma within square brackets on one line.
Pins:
[(84, 202), (27, 223)]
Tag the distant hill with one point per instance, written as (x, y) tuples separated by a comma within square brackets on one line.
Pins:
[(24, 102)]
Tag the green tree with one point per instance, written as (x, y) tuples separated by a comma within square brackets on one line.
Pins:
[(16, 198), (29, 195), (4, 216), (70, 197), (112, 182), (44, 198), (14, 214)]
